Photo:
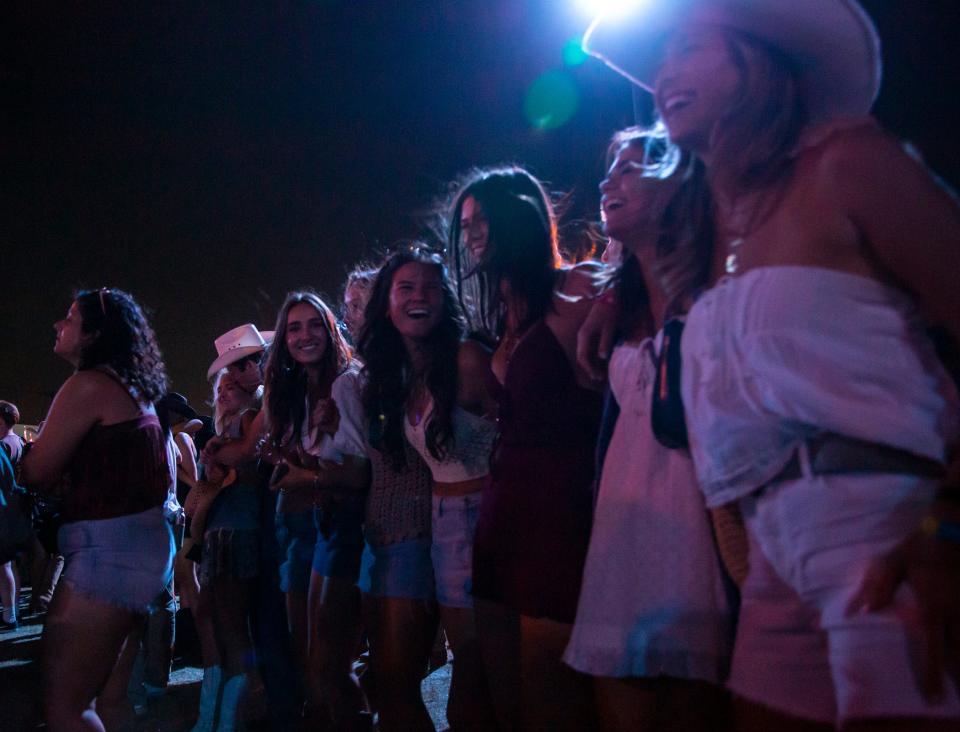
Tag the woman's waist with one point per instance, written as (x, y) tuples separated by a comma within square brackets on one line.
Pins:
[(452, 489)]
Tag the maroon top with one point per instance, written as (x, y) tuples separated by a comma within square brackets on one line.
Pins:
[(118, 470), (535, 515)]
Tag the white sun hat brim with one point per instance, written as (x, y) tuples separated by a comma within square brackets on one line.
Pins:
[(833, 44)]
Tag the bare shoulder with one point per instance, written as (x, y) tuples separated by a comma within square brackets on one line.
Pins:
[(89, 387), (584, 280), (857, 160), (473, 356)]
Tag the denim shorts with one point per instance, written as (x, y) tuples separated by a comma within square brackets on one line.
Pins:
[(296, 537), (338, 553), (454, 523), (124, 561), (403, 569)]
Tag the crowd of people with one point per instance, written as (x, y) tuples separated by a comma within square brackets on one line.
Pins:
[(708, 483)]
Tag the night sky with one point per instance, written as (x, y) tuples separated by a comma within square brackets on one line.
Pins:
[(210, 157)]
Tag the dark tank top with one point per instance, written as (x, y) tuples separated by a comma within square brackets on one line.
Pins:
[(536, 512), (118, 470)]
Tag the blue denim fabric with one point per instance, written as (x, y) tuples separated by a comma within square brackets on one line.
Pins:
[(454, 525), (403, 569), (124, 561), (338, 554), (296, 538)]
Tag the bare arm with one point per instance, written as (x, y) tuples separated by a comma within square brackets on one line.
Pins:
[(474, 378), (188, 460), (908, 222), (75, 410), (239, 451), (580, 287)]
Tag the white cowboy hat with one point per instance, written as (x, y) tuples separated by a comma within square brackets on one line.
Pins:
[(234, 345), (833, 44)]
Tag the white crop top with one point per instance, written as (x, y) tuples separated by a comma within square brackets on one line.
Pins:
[(467, 453)]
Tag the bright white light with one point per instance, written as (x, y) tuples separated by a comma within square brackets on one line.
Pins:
[(609, 8)]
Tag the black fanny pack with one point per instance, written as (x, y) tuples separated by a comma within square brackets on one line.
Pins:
[(666, 414)]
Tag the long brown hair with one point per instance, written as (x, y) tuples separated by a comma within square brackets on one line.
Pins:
[(754, 140), (285, 380)]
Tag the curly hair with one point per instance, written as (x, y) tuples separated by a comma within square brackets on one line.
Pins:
[(124, 341), (285, 381), (388, 370), (522, 246)]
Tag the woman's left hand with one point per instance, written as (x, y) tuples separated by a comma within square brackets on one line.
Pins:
[(294, 478), (326, 416), (931, 568)]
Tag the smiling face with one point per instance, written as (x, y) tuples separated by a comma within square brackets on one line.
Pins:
[(696, 85), (70, 336), (632, 203), (474, 228), (416, 300), (231, 397), (306, 336)]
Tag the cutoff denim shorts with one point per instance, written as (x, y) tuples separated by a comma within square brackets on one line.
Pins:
[(338, 554), (124, 561), (454, 523), (403, 570), (296, 537)]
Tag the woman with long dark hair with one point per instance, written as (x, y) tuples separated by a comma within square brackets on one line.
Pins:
[(313, 419), (102, 433), (427, 387), (534, 521), (814, 398)]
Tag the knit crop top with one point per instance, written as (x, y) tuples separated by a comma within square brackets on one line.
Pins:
[(467, 454)]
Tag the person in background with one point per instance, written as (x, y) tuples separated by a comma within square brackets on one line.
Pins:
[(356, 295), (103, 433), (9, 582)]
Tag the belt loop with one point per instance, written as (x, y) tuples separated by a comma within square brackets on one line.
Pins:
[(803, 454)]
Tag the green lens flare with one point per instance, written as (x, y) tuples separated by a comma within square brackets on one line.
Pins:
[(551, 100)]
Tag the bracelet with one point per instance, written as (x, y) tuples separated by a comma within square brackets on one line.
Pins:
[(939, 529)]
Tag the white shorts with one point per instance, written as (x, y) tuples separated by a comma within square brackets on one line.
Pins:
[(796, 650)]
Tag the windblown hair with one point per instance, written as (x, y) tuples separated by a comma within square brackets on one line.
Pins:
[(521, 248), (223, 421), (756, 137), (685, 244), (361, 276), (123, 342), (388, 369), (285, 380)]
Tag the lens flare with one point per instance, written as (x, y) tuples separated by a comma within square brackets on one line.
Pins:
[(551, 100)]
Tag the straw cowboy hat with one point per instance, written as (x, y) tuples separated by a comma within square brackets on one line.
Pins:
[(833, 44), (236, 344)]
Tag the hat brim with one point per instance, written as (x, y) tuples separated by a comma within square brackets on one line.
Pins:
[(231, 356), (833, 44)]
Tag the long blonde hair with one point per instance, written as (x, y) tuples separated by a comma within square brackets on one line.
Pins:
[(223, 421)]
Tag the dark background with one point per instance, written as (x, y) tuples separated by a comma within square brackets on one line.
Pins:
[(209, 157)]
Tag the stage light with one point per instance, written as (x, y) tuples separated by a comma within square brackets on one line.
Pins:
[(608, 8)]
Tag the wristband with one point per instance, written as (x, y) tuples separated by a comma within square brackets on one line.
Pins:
[(939, 529)]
